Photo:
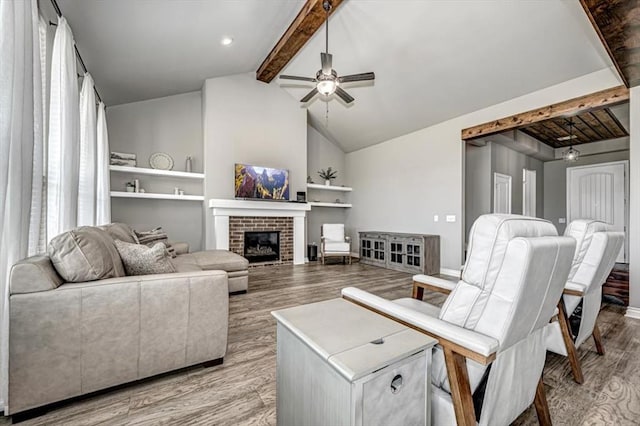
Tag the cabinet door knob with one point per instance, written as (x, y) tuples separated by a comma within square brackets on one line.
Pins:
[(396, 383)]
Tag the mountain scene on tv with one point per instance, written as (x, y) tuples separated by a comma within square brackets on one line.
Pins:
[(261, 183)]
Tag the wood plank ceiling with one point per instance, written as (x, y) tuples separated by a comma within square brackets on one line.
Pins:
[(617, 23), (588, 126)]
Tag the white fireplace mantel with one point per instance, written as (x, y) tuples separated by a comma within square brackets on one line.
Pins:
[(222, 209)]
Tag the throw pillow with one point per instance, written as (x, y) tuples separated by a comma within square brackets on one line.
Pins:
[(120, 231), (85, 254), (156, 235), (142, 260)]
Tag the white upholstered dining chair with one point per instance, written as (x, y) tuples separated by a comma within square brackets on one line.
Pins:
[(597, 248), (334, 242), (487, 366)]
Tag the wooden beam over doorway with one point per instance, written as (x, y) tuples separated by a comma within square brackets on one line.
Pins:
[(304, 26), (604, 98)]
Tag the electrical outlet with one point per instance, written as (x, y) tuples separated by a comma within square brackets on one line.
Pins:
[(562, 220), (451, 218), (435, 218)]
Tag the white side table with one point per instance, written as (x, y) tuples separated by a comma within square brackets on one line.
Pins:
[(341, 364)]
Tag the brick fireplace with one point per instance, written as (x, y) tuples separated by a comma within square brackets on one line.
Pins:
[(239, 226), (231, 218)]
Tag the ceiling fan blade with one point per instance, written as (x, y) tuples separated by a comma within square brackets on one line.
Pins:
[(344, 95), (295, 77), (357, 77), (309, 95), (327, 63)]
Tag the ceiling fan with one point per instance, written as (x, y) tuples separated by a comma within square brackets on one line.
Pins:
[(327, 80)]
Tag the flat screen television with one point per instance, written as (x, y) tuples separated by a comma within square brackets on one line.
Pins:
[(261, 183)]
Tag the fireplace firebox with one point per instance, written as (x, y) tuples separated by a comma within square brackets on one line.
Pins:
[(262, 246)]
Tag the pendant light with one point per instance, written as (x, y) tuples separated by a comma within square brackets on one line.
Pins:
[(571, 155)]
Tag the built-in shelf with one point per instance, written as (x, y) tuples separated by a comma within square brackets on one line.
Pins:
[(122, 194), (156, 172), (329, 187), (321, 204)]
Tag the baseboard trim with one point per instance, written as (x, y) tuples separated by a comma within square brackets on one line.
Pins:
[(355, 255), (632, 312), (450, 272)]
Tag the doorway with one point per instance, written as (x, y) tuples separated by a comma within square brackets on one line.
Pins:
[(501, 193), (529, 192), (600, 192)]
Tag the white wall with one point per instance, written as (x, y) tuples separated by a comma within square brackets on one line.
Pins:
[(555, 183), (247, 121), (403, 182), (321, 154), (172, 125)]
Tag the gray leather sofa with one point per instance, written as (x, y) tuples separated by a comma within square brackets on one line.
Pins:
[(236, 266), (72, 338)]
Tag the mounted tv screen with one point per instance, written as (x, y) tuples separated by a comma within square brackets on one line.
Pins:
[(261, 183)]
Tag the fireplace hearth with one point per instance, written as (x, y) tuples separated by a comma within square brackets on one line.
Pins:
[(262, 246)]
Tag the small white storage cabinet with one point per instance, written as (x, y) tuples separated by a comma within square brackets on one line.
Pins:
[(341, 364)]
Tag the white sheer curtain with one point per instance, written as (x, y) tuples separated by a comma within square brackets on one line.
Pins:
[(64, 135), (103, 190), (37, 226), (87, 173), (21, 128)]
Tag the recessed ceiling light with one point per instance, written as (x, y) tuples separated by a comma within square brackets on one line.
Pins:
[(226, 41)]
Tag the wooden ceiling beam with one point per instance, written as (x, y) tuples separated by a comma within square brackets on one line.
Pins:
[(604, 98), (310, 18)]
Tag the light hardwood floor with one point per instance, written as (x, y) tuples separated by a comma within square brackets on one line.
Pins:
[(242, 390)]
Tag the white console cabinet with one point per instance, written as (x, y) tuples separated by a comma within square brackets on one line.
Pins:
[(341, 364)]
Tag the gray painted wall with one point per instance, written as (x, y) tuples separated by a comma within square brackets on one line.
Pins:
[(477, 177), (247, 121), (172, 125), (481, 162), (510, 162), (322, 153), (555, 183)]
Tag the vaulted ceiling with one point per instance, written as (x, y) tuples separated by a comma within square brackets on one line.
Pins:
[(144, 49), (434, 60)]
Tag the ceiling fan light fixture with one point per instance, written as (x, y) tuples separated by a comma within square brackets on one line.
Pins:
[(327, 87)]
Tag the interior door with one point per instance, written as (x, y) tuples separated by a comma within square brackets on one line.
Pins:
[(501, 193), (600, 192), (529, 192)]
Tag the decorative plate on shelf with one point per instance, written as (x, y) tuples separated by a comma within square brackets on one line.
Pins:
[(161, 161)]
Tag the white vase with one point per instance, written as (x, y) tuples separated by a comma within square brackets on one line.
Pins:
[(327, 182)]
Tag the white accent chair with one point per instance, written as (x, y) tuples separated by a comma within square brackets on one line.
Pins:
[(596, 251), (490, 331), (333, 242)]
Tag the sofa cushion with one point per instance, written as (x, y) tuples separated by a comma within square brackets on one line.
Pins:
[(33, 274), (85, 254), (185, 267), (120, 231), (215, 259), (139, 259)]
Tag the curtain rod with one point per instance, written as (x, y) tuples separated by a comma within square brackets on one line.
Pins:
[(54, 3)]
